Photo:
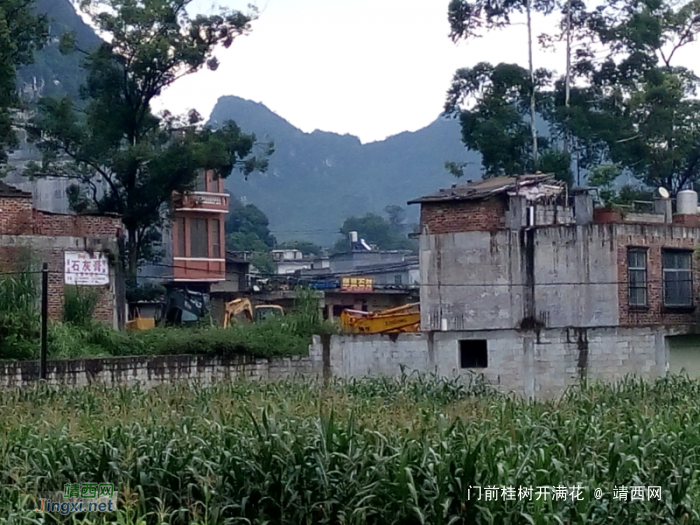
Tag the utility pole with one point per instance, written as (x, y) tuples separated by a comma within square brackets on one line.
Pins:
[(533, 129), (567, 81), (44, 316)]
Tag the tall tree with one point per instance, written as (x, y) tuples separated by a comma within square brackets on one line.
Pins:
[(21, 33), (123, 157), (376, 230)]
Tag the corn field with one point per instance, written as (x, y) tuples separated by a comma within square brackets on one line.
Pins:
[(373, 451)]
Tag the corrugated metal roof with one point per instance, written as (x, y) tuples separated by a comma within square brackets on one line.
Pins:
[(537, 185)]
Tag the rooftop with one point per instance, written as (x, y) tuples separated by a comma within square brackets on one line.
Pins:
[(532, 187), (10, 191)]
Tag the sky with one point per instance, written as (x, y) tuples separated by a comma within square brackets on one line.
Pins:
[(370, 68)]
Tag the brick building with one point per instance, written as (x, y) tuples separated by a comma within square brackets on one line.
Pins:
[(43, 236), (528, 284)]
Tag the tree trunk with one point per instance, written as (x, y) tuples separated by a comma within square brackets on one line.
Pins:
[(533, 129)]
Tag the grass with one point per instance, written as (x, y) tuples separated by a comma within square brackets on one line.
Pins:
[(369, 451)]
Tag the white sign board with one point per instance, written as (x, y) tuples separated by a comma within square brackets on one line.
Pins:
[(85, 269)]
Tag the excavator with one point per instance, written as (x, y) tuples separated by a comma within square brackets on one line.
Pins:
[(400, 319), (243, 310)]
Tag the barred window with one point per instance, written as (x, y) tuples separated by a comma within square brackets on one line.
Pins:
[(678, 279), (215, 236), (180, 234), (637, 274)]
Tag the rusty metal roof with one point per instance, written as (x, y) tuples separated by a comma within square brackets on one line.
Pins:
[(10, 191), (531, 186)]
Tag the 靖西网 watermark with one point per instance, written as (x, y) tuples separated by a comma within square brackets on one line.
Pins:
[(81, 497)]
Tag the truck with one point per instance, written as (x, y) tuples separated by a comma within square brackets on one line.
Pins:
[(404, 318)]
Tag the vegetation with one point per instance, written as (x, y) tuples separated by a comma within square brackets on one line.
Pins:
[(21, 33), (19, 314), (389, 451), (624, 100), (384, 234), (124, 158)]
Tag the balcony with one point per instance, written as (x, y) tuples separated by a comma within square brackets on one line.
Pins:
[(190, 269), (202, 201)]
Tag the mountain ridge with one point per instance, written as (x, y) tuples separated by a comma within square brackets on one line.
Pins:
[(316, 180)]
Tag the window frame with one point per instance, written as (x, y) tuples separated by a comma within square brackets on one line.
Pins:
[(215, 226), (633, 285), (677, 271), (470, 354), (197, 236), (181, 245)]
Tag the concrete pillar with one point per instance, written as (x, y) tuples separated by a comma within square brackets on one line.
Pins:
[(664, 207), (583, 208)]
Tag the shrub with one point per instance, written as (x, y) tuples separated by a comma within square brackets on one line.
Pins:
[(79, 305), (20, 320)]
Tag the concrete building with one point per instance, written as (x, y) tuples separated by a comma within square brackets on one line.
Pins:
[(530, 286)]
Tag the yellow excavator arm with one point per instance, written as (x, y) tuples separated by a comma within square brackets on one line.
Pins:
[(234, 309), (400, 319)]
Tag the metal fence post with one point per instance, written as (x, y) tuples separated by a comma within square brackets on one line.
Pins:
[(44, 316)]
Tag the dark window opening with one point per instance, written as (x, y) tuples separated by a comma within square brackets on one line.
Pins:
[(198, 238), (180, 233), (215, 238), (473, 353), (201, 183), (678, 280), (637, 274)]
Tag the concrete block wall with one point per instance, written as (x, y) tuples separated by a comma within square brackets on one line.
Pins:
[(150, 371)]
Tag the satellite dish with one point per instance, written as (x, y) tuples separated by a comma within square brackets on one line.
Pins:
[(663, 193)]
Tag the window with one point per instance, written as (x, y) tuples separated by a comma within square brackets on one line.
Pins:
[(398, 279), (180, 233), (473, 353), (198, 238), (637, 275), (201, 181), (678, 281), (215, 236)]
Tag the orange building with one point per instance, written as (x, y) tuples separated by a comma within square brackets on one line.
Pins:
[(198, 232)]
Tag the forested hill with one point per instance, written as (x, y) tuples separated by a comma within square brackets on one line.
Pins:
[(318, 179), (52, 73)]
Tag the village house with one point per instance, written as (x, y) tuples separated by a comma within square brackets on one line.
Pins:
[(523, 281), (29, 234)]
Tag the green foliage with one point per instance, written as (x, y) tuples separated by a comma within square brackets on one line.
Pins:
[(374, 229), (263, 262), (19, 315), (117, 143), (21, 33), (247, 228), (367, 451), (144, 292), (79, 304), (629, 104)]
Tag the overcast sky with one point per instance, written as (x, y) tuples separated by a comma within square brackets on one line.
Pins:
[(371, 68)]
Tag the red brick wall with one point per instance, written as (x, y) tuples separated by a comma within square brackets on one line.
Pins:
[(13, 258), (56, 224), (687, 220), (15, 215), (654, 313), (463, 216)]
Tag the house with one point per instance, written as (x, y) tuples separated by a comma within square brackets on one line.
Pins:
[(31, 235), (523, 281)]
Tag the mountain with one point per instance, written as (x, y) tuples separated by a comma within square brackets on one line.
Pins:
[(316, 180), (53, 74)]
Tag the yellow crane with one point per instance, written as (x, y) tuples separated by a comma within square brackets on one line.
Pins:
[(400, 319)]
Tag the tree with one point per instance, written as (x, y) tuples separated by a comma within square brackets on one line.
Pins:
[(21, 33), (376, 230), (123, 157), (621, 101), (247, 229)]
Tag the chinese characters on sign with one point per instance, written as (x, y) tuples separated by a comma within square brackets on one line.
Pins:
[(356, 284), (85, 269), (551, 493)]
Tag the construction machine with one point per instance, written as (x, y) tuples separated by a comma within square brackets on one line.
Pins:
[(243, 310), (400, 319)]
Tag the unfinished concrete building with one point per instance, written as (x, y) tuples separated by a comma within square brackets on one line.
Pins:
[(525, 282)]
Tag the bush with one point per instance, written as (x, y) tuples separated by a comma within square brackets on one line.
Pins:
[(20, 320), (79, 305)]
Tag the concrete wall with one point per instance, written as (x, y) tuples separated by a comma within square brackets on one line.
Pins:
[(530, 364), (151, 371), (534, 365)]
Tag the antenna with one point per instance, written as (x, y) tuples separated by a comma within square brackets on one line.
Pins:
[(663, 193)]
